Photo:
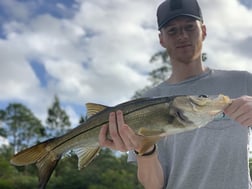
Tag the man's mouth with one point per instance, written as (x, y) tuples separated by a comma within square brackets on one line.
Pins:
[(183, 46)]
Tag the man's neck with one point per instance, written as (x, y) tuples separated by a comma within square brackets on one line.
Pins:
[(182, 71)]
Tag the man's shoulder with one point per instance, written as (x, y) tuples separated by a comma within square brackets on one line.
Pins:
[(231, 73), (238, 72), (157, 90)]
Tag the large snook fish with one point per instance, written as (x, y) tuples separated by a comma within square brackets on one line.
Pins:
[(151, 118)]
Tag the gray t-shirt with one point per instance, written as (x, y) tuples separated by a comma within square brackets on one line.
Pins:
[(212, 157)]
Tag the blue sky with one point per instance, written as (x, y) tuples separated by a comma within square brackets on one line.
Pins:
[(99, 51)]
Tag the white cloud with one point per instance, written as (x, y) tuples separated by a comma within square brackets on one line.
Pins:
[(102, 53), (75, 118), (228, 30), (3, 141)]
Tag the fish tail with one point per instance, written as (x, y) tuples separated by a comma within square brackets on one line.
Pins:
[(46, 160)]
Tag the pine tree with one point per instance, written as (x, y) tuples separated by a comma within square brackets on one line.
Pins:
[(161, 73), (57, 120), (21, 126)]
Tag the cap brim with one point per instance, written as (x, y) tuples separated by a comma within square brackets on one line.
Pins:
[(177, 15)]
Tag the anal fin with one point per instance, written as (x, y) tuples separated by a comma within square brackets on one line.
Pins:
[(86, 155)]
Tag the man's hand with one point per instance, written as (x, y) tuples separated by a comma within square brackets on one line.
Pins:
[(241, 110), (122, 137)]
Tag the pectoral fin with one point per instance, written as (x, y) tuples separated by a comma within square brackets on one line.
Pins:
[(147, 143), (149, 132)]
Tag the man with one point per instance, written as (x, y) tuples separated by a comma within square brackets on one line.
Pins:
[(213, 157)]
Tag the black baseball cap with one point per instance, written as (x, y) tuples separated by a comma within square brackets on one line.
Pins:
[(171, 9)]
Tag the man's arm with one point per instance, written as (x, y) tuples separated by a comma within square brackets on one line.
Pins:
[(150, 172)]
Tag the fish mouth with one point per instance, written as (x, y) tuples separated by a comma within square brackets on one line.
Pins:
[(181, 117), (178, 114)]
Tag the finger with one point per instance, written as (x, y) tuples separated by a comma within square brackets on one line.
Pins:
[(240, 111), (131, 140), (120, 118), (127, 134), (113, 131), (237, 110), (231, 109), (245, 119), (247, 123), (121, 124), (103, 140)]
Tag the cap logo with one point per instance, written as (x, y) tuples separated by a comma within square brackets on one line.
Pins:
[(176, 4)]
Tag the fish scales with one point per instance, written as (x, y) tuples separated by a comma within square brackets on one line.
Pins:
[(152, 118), (138, 111)]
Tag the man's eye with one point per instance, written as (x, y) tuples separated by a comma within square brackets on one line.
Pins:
[(189, 27), (172, 31)]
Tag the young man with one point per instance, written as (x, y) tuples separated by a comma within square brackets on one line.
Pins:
[(213, 157)]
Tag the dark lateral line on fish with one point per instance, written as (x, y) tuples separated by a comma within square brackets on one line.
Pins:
[(167, 99)]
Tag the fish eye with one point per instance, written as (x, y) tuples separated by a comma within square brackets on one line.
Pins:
[(203, 96)]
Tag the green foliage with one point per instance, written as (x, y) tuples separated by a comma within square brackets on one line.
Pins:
[(107, 171), (83, 119), (161, 73), (10, 177), (5, 169), (57, 120), (22, 127), (3, 133), (157, 75)]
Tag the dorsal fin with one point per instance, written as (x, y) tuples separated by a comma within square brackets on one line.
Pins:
[(93, 108)]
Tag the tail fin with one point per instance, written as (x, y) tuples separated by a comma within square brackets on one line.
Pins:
[(45, 159)]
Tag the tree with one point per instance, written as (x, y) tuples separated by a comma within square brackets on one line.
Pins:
[(2, 130), (22, 127), (83, 119), (105, 172), (58, 121), (158, 75)]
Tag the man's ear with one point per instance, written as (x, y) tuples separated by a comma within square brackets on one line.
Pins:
[(161, 39), (204, 31)]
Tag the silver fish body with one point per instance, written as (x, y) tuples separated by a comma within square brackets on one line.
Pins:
[(151, 118)]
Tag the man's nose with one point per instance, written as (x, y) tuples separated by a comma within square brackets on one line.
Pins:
[(182, 33)]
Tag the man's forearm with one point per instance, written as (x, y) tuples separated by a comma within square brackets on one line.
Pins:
[(150, 172)]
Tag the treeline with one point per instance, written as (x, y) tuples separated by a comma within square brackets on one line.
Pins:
[(105, 172), (23, 129)]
